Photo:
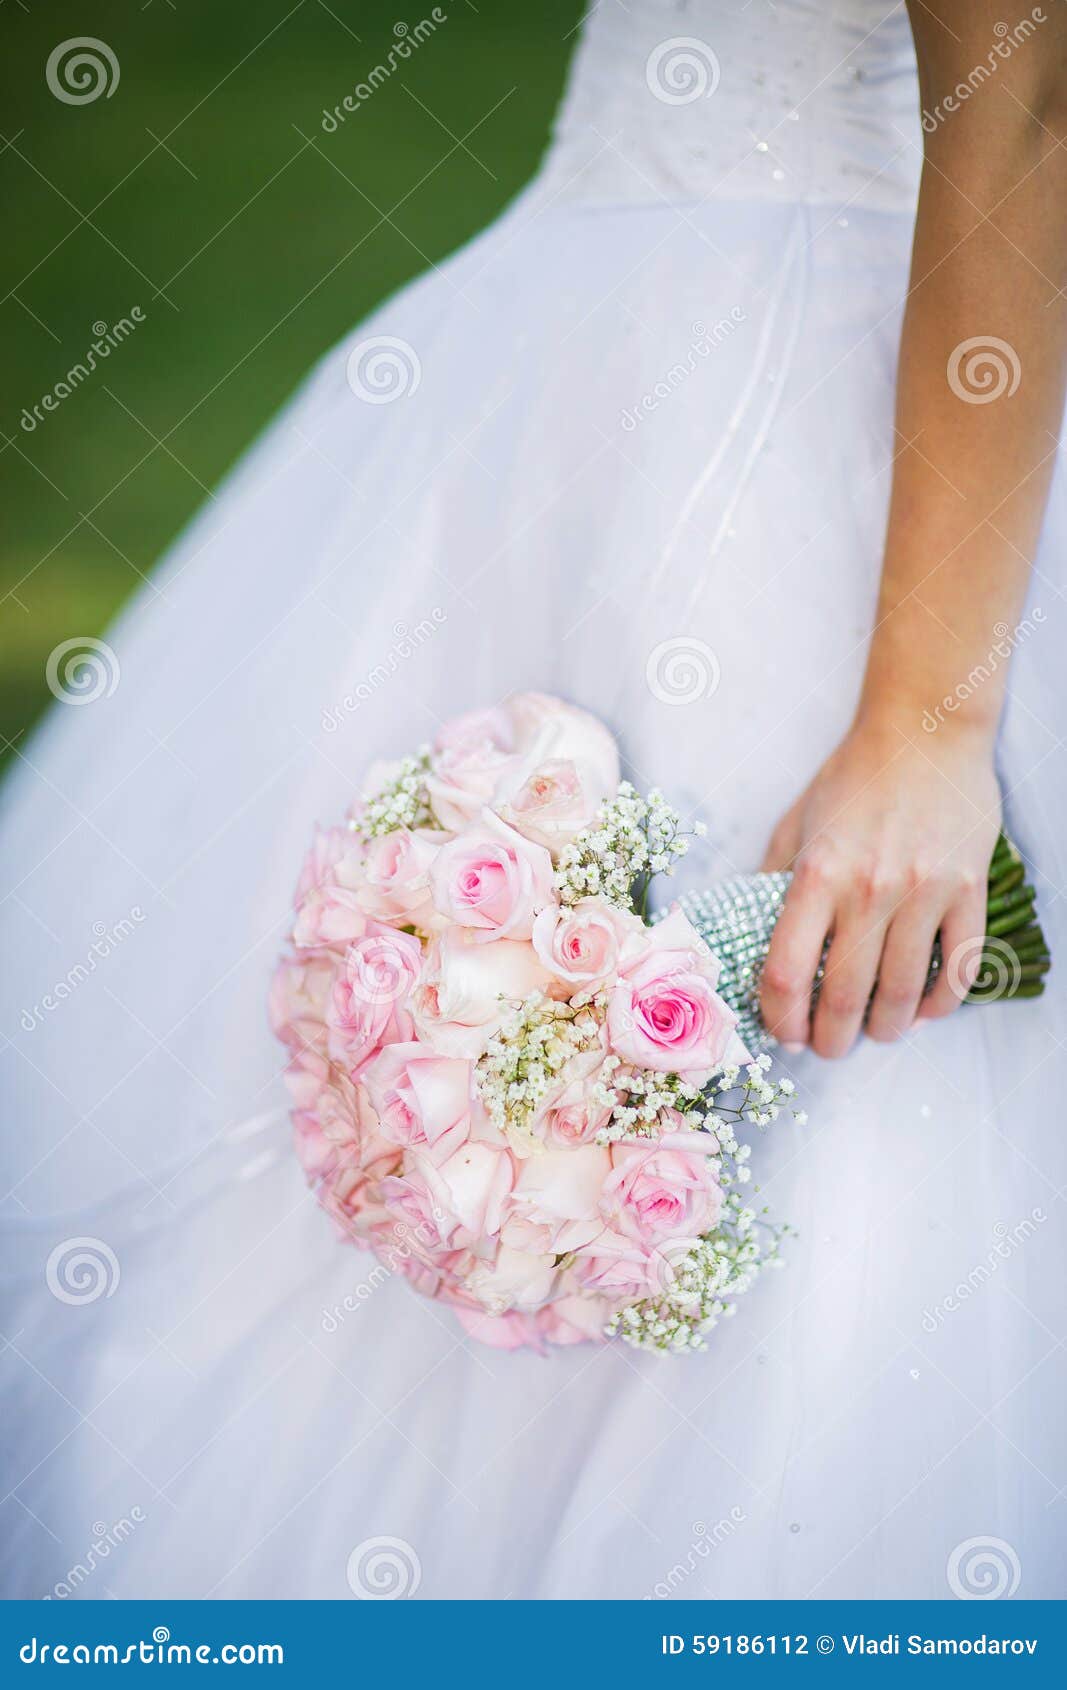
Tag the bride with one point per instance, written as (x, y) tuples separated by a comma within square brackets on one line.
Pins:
[(695, 437)]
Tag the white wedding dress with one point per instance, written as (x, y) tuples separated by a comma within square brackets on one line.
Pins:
[(632, 445)]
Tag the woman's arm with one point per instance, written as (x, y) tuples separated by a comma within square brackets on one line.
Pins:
[(892, 840)]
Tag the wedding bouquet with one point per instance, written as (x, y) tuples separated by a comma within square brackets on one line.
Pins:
[(510, 1086), (508, 1082)]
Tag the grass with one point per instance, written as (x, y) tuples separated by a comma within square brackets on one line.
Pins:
[(250, 241)]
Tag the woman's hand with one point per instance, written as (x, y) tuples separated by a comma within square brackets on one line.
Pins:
[(890, 843)]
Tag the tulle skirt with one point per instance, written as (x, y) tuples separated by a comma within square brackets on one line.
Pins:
[(642, 460)]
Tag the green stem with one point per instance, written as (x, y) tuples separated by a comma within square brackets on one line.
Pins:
[(1013, 900), (1014, 921), (1029, 946), (1019, 946), (1007, 881), (1025, 989), (1025, 971)]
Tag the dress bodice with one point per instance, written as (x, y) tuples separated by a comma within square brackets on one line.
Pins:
[(688, 100)]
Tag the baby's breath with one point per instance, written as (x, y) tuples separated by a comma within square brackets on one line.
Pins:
[(529, 1053), (402, 802), (638, 1098), (634, 839), (701, 1278)]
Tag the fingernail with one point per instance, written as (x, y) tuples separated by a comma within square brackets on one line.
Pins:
[(794, 1050)]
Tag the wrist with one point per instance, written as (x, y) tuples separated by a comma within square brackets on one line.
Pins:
[(904, 695), (897, 714)]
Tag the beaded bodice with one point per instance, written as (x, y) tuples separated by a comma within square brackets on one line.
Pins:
[(691, 100)]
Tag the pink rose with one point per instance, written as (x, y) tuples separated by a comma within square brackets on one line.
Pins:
[(328, 1134), (653, 1194), (411, 1198), (492, 880), (665, 1014), (305, 1075), (315, 1154), (574, 1320), (424, 1277), (328, 846), (573, 1116), (405, 1250), (561, 1190), (300, 996), (352, 1197), (423, 1100), (340, 1117), (399, 1252), (473, 1186), (569, 1112), (464, 989), (514, 1331), (327, 910), (568, 765), (341, 1112), (468, 760), (585, 944), (550, 764), (546, 726), (551, 804), (615, 1268), (459, 1205), (396, 878), (368, 1006), (516, 1278)]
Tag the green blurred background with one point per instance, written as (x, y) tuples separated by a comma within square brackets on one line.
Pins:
[(204, 191)]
